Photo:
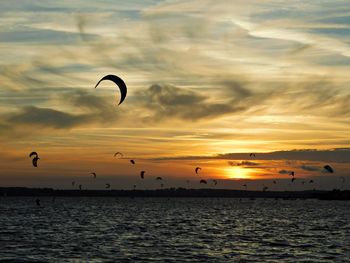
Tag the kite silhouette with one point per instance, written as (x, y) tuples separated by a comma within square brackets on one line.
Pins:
[(119, 82), (328, 168), (35, 159), (118, 153), (142, 174)]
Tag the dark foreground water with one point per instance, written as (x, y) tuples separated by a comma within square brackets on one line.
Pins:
[(173, 230)]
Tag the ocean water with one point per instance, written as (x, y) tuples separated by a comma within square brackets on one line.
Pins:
[(173, 230)]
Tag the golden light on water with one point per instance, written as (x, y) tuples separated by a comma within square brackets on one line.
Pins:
[(238, 173)]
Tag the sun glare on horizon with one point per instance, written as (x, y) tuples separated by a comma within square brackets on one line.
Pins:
[(238, 173)]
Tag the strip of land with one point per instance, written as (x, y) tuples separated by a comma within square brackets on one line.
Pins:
[(178, 192)]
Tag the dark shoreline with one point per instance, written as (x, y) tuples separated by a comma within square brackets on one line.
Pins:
[(178, 192)]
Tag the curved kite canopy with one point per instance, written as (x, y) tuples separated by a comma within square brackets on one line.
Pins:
[(108, 186), (328, 168), (159, 178), (203, 181), (94, 175), (132, 161), (119, 82), (33, 153), (118, 153), (35, 161), (197, 169), (142, 174)]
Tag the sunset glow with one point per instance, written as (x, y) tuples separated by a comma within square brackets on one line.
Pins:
[(239, 173), (174, 131), (205, 86)]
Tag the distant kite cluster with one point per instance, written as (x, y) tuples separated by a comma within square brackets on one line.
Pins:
[(123, 92)]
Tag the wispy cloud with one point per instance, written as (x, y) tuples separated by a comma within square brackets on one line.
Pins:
[(167, 101), (285, 172), (310, 168), (243, 163), (41, 117), (204, 77), (335, 155)]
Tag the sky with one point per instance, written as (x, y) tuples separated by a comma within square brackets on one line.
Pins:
[(209, 82)]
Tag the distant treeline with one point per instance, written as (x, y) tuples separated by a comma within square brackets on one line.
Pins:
[(177, 192)]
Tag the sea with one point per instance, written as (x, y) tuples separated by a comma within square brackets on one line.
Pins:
[(97, 229)]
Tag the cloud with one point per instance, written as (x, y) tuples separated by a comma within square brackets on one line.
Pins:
[(41, 37), (310, 168), (341, 155), (335, 155), (164, 60), (78, 108), (236, 89), (88, 108), (17, 77), (328, 97), (243, 163), (252, 76), (167, 101), (45, 117), (91, 102), (285, 172)]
